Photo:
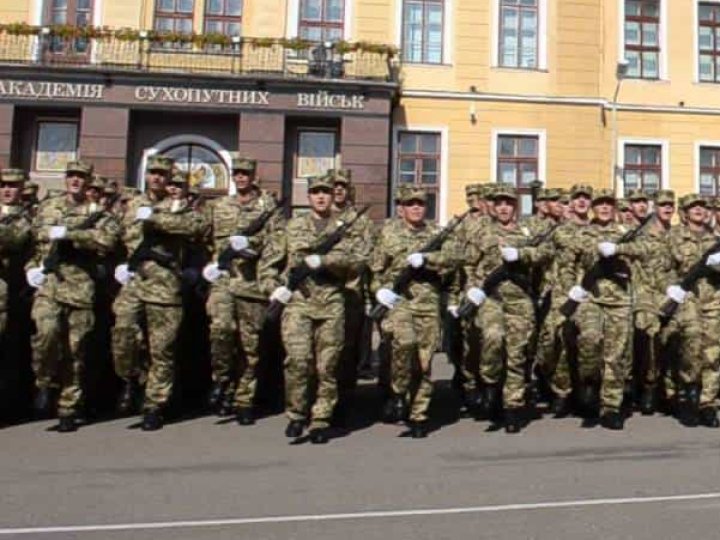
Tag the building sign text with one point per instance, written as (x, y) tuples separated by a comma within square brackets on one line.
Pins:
[(50, 90)]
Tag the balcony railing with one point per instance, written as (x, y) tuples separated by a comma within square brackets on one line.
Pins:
[(147, 51)]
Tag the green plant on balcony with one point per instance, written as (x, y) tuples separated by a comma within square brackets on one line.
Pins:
[(296, 44), (263, 43), (19, 29)]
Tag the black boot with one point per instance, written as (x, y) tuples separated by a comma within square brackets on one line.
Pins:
[(708, 417), (227, 407), (67, 424), (471, 401), (244, 416), (394, 410), (129, 398), (319, 436), (43, 402), (216, 395), (418, 430), (687, 406), (294, 429), (588, 399), (647, 401), (613, 420), (560, 407), (513, 420), (490, 405), (152, 420)]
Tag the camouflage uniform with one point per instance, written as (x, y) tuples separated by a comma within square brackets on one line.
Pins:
[(63, 306), (154, 294), (236, 304)]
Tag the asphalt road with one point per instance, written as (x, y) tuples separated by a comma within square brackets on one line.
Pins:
[(201, 478)]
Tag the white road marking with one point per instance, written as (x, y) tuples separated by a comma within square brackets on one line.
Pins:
[(357, 515)]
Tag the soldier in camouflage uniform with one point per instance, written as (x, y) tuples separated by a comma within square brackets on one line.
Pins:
[(313, 321), (63, 304), (413, 317), (697, 321), (236, 304), (161, 221), (604, 317)]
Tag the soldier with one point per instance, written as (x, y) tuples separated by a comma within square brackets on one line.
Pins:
[(30, 196), (313, 322), (71, 239), (413, 319), (604, 318), (95, 191), (157, 226), (625, 213), (236, 304), (697, 321)]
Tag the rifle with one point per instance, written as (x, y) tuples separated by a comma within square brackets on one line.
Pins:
[(298, 274), (402, 281), (228, 255), (145, 252), (504, 272), (603, 267), (696, 273), (51, 263)]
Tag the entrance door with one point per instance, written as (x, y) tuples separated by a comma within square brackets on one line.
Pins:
[(315, 150)]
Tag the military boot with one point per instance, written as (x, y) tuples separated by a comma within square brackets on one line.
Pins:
[(613, 420), (319, 436), (647, 401), (152, 420), (589, 399), (294, 429), (244, 416), (491, 402), (394, 410), (687, 408), (418, 430), (708, 417), (129, 399), (67, 424), (44, 402), (227, 406), (560, 407), (513, 420), (216, 395)]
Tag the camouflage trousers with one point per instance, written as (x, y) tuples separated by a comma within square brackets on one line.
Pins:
[(313, 339), (602, 340), (235, 327), (470, 362), (162, 322), (59, 348), (507, 328), (551, 356), (3, 305), (415, 338), (356, 342), (696, 331), (648, 347)]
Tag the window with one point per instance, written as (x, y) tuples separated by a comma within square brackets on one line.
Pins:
[(519, 33), (422, 32), (205, 168), (709, 171), (174, 16), (73, 13), (642, 167), (709, 42), (642, 38), (56, 144), (419, 158), (322, 20), (517, 165), (223, 17)]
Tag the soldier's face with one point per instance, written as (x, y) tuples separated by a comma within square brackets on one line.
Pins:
[(156, 180), (542, 207), (10, 192), (665, 212), (490, 205), (320, 200), (92, 194), (414, 211), (555, 209), (639, 208), (627, 217), (340, 194), (604, 211), (580, 204), (696, 214), (243, 180), (175, 191), (505, 210), (75, 184)]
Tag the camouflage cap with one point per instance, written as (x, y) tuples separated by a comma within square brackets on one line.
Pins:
[(12, 175), (504, 191), (98, 182), (340, 176), (604, 194), (413, 193), (564, 196), (179, 177), (78, 166), (31, 188), (159, 162), (637, 195), (581, 189), (474, 189), (399, 191), (623, 205), (541, 194), (553, 194), (691, 199), (318, 182), (111, 187), (665, 196), (242, 163)]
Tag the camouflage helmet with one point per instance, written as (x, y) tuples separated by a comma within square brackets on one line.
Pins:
[(160, 162), (12, 176), (79, 167)]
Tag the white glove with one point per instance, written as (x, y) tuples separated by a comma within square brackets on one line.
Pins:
[(387, 298), (607, 249), (57, 232), (509, 254), (676, 293), (578, 294), (238, 243), (476, 295), (143, 213), (416, 260), (713, 259), (453, 310), (212, 273), (313, 261), (123, 275), (282, 294), (35, 277)]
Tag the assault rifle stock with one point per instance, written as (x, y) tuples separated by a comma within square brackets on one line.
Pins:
[(51, 263), (145, 252)]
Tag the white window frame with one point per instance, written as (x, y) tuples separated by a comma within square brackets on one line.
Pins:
[(442, 214), (696, 37), (664, 145), (664, 58), (293, 20), (541, 134), (542, 60), (696, 160), (448, 18)]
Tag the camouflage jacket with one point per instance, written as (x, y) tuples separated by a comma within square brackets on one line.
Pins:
[(652, 274), (686, 248), (172, 229), (389, 258), (363, 237), (228, 217), (81, 250), (15, 246)]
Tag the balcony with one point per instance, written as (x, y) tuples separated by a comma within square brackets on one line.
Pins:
[(126, 50)]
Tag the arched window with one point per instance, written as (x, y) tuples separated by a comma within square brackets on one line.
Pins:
[(207, 170)]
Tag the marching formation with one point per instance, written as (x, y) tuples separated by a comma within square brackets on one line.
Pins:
[(599, 306)]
